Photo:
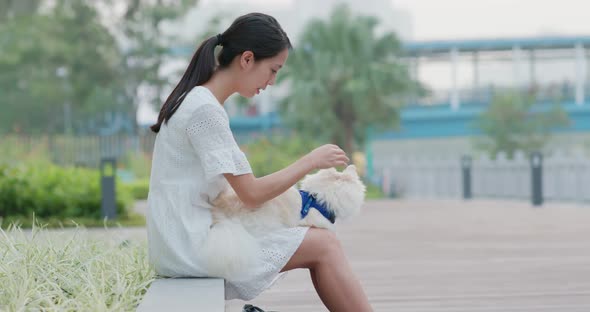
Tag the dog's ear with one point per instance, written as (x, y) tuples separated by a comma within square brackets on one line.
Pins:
[(351, 169)]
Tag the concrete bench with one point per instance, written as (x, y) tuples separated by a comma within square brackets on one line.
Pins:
[(184, 294)]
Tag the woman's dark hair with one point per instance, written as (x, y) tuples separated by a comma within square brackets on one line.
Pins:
[(256, 32)]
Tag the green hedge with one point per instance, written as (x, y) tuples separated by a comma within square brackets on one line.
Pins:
[(374, 191), (268, 155), (46, 190), (139, 188)]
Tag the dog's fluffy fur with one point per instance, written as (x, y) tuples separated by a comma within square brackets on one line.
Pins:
[(231, 249)]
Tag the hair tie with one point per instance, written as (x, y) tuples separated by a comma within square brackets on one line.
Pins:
[(219, 40)]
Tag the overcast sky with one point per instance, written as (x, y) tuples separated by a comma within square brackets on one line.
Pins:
[(447, 19), (496, 18)]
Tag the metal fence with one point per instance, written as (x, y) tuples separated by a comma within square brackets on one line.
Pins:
[(74, 150), (565, 177)]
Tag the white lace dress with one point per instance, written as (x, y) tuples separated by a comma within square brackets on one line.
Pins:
[(191, 154)]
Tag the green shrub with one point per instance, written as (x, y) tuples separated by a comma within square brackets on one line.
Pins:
[(46, 190), (139, 164), (374, 191), (139, 188), (268, 155)]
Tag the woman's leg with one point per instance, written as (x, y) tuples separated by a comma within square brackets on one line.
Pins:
[(322, 254), (314, 280)]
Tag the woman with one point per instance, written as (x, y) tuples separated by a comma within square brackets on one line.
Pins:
[(195, 156)]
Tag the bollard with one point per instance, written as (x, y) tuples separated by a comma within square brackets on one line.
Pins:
[(107, 186), (537, 178), (466, 170)]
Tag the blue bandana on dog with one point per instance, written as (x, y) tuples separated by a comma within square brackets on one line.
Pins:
[(309, 201)]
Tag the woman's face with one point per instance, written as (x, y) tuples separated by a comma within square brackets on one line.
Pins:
[(259, 74)]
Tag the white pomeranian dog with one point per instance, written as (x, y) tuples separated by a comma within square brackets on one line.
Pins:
[(230, 248)]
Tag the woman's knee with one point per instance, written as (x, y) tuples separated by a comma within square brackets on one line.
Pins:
[(327, 247), (318, 246)]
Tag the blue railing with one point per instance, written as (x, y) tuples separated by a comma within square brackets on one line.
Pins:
[(425, 121)]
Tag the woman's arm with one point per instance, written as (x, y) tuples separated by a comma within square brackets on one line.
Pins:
[(253, 191)]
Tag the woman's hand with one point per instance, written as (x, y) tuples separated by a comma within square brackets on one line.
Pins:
[(327, 156), (253, 191)]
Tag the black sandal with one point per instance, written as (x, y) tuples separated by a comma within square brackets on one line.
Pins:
[(251, 308)]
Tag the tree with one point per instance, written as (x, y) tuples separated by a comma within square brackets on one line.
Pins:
[(46, 69), (513, 122), (11, 8), (146, 45), (344, 78), (62, 67)]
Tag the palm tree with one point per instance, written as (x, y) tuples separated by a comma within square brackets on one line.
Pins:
[(344, 78)]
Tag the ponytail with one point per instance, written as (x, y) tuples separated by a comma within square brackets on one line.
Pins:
[(256, 32), (198, 72)]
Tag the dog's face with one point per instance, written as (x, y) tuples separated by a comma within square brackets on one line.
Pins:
[(343, 192)]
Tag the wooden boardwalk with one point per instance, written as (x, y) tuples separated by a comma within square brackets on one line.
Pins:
[(458, 256), (447, 256)]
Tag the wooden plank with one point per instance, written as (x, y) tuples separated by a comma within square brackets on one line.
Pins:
[(452, 255)]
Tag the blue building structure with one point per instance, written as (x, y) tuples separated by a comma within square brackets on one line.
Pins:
[(442, 121), (454, 116)]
